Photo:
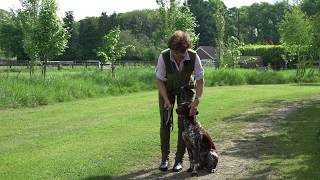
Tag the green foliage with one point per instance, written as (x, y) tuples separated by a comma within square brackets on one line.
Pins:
[(4, 16), (43, 34), (296, 34), (106, 23), (28, 17), (262, 20), (271, 54), (51, 35), (112, 50), (11, 37), (72, 51), (232, 53), (316, 35), (220, 26), (144, 50), (310, 7), (202, 11), (176, 17), (89, 38), (295, 30), (145, 22)]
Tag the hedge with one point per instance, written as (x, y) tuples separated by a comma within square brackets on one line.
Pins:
[(271, 54)]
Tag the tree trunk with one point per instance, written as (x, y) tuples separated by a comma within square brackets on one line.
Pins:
[(101, 65), (45, 69), (31, 68), (319, 63), (113, 69), (286, 65)]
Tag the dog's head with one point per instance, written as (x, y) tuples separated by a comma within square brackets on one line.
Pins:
[(184, 109)]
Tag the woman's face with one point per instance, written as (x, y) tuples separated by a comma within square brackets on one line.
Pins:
[(178, 56)]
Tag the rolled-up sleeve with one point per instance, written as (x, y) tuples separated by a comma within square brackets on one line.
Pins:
[(161, 70), (198, 69)]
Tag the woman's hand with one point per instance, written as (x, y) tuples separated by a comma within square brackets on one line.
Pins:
[(167, 105)]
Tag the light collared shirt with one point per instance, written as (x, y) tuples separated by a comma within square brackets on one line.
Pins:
[(161, 68)]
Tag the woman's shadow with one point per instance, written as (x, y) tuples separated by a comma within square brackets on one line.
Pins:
[(151, 174)]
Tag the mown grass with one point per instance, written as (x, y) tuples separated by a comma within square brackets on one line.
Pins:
[(18, 90), (112, 136), (294, 147)]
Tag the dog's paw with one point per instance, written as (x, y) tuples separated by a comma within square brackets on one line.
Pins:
[(212, 170), (193, 174)]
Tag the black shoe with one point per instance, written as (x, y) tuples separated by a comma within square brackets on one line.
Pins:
[(164, 165), (177, 167)]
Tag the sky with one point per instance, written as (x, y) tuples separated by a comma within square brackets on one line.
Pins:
[(84, 8)]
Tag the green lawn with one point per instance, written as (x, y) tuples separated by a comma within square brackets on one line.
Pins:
[(295, 151), (103, 137)]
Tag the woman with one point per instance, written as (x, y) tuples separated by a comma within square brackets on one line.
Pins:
[(179, 67)]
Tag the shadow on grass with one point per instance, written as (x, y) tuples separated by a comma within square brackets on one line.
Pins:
[(290, 150), (292, 144), (150, 174), (98, 178), (307, 84)]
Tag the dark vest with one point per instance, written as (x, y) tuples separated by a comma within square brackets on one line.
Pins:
[(176, 79)]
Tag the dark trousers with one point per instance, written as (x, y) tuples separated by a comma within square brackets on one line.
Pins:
[(165, 129)]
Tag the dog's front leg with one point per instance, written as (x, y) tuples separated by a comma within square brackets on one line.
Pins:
[(196, 158), (190, 158)]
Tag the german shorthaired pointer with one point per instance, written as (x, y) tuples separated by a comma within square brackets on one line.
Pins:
[(201, 149)]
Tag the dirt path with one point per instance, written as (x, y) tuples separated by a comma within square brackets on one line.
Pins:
[(239, 154)]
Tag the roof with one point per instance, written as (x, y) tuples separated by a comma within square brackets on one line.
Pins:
[(207, 52)]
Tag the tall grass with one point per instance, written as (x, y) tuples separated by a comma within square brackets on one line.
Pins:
[(18, 90), (221, 77)]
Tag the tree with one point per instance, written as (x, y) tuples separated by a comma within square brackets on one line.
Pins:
[(43, 34), (51, 36), (4, 16), (203, 13), (89, 38), (175, 17), (11, 37), (144, 50), (72, 50), (316, 35), (105, 24), (310, 7), (220, 26), (111, 49), (232, 52), (296, 34), (28, 17)]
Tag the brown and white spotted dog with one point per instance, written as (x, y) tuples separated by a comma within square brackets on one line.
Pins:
[(201, 149)]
